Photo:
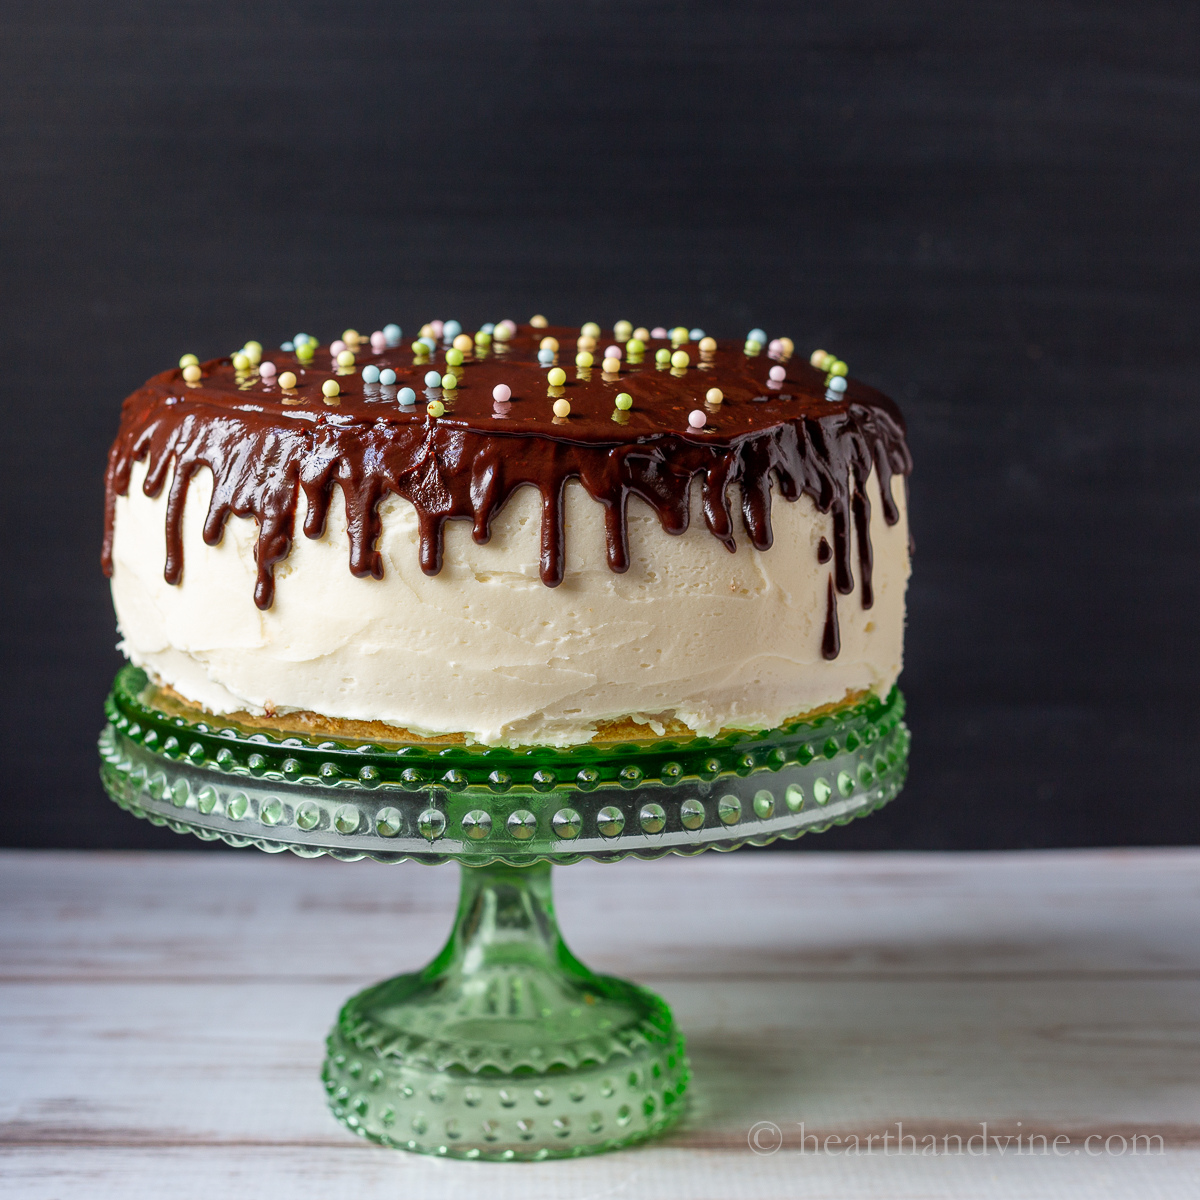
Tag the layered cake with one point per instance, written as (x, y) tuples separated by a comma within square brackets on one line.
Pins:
[(521, 536)]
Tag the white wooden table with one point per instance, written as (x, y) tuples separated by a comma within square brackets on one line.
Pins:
[(162, 1019)]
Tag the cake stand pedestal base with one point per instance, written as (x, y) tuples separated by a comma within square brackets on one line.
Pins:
[(506, 1046)]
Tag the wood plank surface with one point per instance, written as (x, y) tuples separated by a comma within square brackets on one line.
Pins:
[(162, 1017)]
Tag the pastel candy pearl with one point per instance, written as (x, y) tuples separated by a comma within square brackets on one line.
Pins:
[(502, 392), (287, 381), (787, 345), (591, 329), (613, 352), (392, 334), (330, 387), (463, 342), (437, 327), (679, 334), (454, 357), (624, 401), (305, 351), (433, 379), (556, 377), (538, 321), (697, 419), (386, 376), (714, 396), (335, 348), (636, 345), (642, 333), (488, 328), (680, 359), (583, 359), (191, 373), (819, 358), (378, 341), (370, 374), (449, 382), (776, 346), (548, 343), (545, 357), (188, 360), (351, 337), (562, 408), (838, 368), (502, 333), (435, 408), (837, 384), (241, 362), (757, 335), (696, 335), (612, 365), (451, 330), (622, 331), (429, 344), (267, 370), (778, 374), (658, 331), (708, 345), (345, 359), (662, 356), (288, 346), (406, 395)]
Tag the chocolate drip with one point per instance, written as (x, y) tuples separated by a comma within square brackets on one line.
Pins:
[(465, 465), (831, 642), (824, 553)]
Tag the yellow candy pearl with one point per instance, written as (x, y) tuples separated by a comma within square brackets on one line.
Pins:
[(253, 351), (426, 331), (463, 342), (189, 360), (502, 333), (622, 331), (680, 359), (586, 343), (549, 343), (330, 388), (562, 408), (449, 381), (789, 347), (714, 396), (191, 373), (591, 329), (708, 345), (556, 377), (241, 362), (345, 359), (818, 359), (612, 365), (538, 321), (583, 359), (838, 368), (287, 380), (642, 333), (351, 337), (435, 408), (679, 334)]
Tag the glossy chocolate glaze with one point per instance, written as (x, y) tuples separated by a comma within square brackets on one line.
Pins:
[(264, 445)]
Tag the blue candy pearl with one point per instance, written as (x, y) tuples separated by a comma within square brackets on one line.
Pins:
[(487, 328), (301, 339), (545, 357), (288, 346), (433, 379), (757, 335), (385, 376), (392, 334), (429, 342), (370, 374), (451, 330), (406, 395), (696, 334)]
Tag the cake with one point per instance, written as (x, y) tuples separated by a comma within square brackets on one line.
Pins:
[(525, 536)]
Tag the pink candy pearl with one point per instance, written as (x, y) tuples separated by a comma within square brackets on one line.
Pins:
[(437, 327), (613, 352), (697, 419), (335, 348), (778, 374), (658, 332), (378, 341), (510, 325), (266, 370), (501, 392), (776, 346)]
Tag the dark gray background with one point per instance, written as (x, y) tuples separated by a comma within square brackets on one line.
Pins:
[(988, 209)]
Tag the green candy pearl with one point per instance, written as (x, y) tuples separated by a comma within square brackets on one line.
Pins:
[(454, 358), (662, 356), (624, 401)]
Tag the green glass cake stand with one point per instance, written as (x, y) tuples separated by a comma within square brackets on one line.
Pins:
[(506, 1046)]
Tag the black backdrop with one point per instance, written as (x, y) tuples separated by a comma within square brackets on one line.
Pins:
[(989, 209)]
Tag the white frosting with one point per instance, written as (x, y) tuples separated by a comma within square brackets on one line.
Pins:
[(484, 648)]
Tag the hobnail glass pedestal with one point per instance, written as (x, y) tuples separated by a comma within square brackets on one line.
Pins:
[(506, 1046)]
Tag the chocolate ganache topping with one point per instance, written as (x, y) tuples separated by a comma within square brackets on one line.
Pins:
[(264, 443)]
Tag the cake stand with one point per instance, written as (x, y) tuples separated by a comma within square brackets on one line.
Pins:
[(505, 1046)]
